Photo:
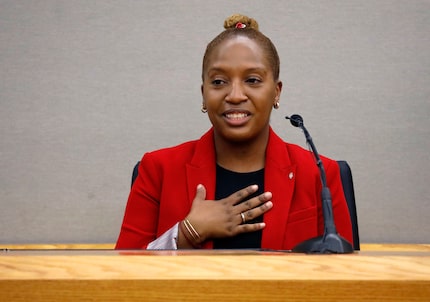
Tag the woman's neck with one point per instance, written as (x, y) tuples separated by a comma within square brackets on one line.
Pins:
[(246, 156)]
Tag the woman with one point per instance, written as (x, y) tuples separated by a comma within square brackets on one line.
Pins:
[(239, 185)]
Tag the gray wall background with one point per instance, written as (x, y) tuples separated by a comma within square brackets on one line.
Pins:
[(86, 87)]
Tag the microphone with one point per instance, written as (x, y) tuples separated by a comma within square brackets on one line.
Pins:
[(330, 242)]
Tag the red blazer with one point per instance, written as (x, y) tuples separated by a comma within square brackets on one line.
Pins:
[(166, 186)]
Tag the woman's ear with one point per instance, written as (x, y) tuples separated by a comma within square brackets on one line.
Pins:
[(278, 89), (203, 109)]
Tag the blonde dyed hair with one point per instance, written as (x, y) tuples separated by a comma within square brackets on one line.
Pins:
[(233, 20)]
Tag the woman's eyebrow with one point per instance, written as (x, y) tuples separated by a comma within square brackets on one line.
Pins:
[(247, 70)]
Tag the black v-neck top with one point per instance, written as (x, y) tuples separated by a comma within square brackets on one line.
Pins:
[(228, 182)]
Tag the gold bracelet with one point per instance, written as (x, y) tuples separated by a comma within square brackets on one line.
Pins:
[(189, 237), (192, 230)]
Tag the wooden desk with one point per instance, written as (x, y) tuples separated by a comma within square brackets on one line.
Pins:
[(377, 273)]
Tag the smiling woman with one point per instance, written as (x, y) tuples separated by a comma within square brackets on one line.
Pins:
[(239, 90), (239, 185)]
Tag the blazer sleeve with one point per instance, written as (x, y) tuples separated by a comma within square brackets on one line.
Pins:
[(140, 220)]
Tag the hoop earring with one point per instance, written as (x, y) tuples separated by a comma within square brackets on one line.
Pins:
[(276, 105), (203, 110)]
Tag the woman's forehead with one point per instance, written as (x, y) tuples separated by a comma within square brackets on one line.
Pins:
[(238, 49)]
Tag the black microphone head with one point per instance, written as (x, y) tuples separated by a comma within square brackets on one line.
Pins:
[(295, 120)]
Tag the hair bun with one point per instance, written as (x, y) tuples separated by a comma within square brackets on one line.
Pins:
[(234, 20)]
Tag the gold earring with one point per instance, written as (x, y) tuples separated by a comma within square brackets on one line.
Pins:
[(276, 105), (204, 110)]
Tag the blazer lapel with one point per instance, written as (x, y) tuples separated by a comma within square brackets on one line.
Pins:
[(279, 179), (202, 169)]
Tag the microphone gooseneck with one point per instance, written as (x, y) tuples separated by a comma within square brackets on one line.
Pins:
[(331, 242), (297, 121)]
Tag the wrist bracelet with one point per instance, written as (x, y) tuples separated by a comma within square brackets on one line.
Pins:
[(190, 234)]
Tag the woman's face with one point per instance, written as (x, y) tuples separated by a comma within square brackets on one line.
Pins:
[(239, 90)]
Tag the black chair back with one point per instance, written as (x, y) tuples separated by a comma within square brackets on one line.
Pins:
[(348, 189)]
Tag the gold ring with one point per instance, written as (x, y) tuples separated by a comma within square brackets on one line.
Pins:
[(243, 217)]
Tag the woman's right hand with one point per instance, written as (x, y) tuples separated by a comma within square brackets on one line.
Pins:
[(222, 218)]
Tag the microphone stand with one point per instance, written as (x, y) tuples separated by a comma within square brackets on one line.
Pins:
[(330, 242)]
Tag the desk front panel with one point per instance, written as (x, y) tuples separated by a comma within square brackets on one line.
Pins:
[(390, 274)]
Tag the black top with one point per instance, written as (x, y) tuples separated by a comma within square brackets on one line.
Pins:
[(228, 182)]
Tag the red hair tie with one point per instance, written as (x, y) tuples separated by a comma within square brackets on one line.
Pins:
[(240, 25)]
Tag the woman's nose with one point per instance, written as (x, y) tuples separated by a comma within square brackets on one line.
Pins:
[(236, 93)]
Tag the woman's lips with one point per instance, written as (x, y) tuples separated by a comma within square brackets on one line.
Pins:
[(236, 118)]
